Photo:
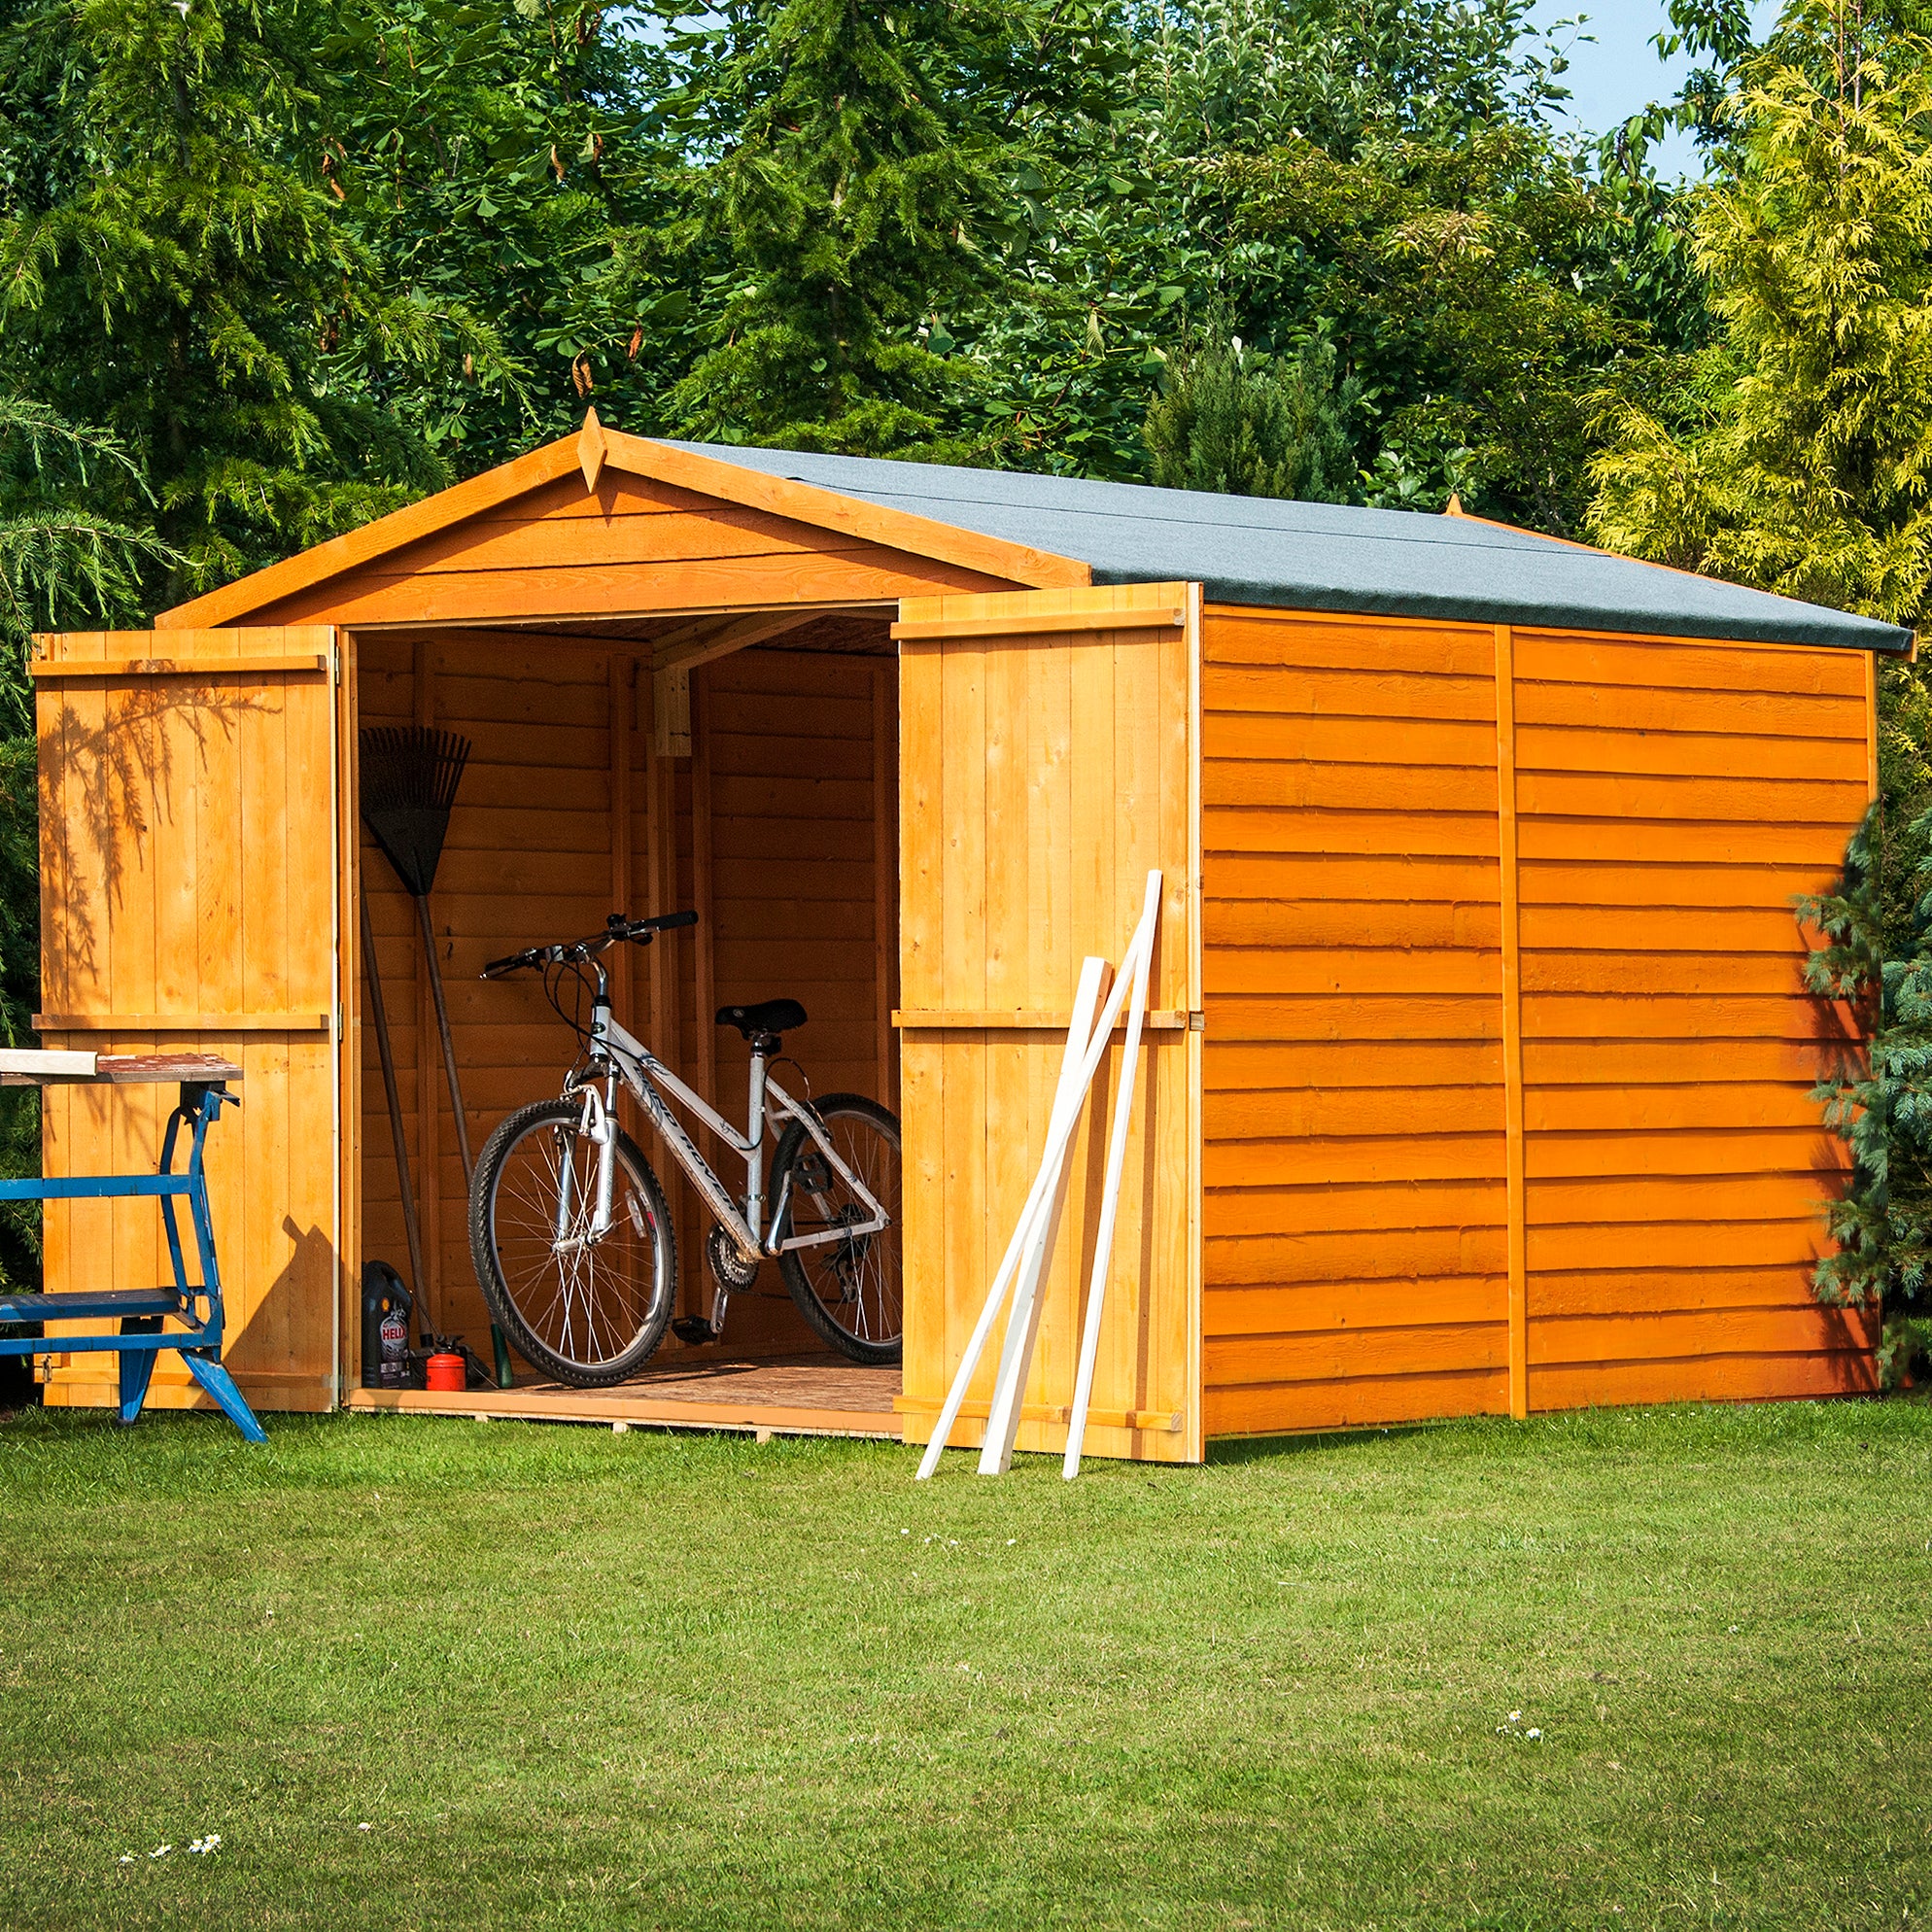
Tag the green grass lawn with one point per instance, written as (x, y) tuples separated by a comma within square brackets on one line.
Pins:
[(437, 1674)]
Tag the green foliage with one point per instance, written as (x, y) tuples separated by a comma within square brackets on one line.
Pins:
[(1282, 169), (173, 270), (854, 160), (485, 159), (61, 562), (1460, 279), (1793, 454), (1879, 1097), (1237, 423)]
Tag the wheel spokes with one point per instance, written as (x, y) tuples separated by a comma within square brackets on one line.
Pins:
[(856, 1280), (585, 1298)]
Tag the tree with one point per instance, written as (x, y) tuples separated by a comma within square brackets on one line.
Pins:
[(1465, 278), (173, 270), (1881, 1100), (1231, 421), (850, 163), (1179, 203), (487, 161), (1796, 452), (1791, 452), (61, 562)]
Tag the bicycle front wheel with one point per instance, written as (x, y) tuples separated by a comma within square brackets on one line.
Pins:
[(850, 1288), (584, 1307)]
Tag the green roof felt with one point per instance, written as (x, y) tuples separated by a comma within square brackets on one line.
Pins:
[(1326, 556)]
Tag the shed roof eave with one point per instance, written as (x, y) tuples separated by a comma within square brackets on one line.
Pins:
[(1315, 600), (217, 610), (592, 450)]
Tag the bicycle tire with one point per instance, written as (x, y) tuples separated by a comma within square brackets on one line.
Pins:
[(881, 1256), (642, 1224)]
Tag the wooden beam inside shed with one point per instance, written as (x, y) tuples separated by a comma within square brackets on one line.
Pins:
[(679, 652)]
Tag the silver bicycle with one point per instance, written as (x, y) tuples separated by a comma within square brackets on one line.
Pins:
[(571, 1230)]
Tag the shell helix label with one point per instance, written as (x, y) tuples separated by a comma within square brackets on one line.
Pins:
[(395, 1344)]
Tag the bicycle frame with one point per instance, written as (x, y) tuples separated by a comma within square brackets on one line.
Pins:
[(616, 1054)]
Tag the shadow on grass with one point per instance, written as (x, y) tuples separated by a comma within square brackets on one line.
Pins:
[(1269, 1448)]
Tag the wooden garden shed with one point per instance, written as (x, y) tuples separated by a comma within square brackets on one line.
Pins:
[(1477, 1079)]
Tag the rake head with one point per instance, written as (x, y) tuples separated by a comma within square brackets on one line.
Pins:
[(410, 775)]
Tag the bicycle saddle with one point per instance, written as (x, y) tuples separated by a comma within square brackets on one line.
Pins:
[(767, 1017)]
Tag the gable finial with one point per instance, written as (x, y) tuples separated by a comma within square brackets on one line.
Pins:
[(590, 449), (1455, 505)]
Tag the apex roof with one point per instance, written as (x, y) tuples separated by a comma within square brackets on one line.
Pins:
[(1326, 556), (1041, 531)]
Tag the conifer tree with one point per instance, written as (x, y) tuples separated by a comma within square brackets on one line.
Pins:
[(1248, 426), (1879, 1099), (859, 159), (172, 269)]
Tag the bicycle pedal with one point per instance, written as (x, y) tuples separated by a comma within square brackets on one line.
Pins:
[(694, 1329)]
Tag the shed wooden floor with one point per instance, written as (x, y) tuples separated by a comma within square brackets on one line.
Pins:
[(782, 1396)]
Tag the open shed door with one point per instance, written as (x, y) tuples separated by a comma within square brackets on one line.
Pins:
[(191, 788), (1048, 762)]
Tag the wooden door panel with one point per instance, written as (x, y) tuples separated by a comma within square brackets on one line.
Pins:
[(190, 826), (1048, 761)]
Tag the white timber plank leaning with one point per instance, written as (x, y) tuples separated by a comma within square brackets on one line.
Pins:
[(1075, 1086)]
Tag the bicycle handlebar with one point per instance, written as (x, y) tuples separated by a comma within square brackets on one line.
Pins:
[(616, 927)]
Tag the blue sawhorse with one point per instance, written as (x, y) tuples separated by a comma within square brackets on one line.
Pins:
[(139, 1312)]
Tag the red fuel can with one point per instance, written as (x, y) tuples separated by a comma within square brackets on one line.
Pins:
[(445, 1373)]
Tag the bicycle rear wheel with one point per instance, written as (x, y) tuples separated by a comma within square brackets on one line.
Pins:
[(851, 1289), (589, 1310)]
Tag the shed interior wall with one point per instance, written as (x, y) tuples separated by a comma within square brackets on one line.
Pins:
[(775, 830)]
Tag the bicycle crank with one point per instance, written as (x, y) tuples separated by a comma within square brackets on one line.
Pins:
[(731, 1270)]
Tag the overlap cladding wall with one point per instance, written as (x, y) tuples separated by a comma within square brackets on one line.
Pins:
[(1672, 797), (1360, 1078)]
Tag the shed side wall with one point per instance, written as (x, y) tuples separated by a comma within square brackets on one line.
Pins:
[(1354, 1263), (1670, 800)]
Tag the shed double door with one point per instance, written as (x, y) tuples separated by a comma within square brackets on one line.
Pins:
[(1048, 762), (191, 789)]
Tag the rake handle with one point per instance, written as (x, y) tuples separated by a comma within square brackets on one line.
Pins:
[(449, 1045), (411, 1227)]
